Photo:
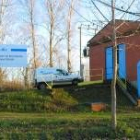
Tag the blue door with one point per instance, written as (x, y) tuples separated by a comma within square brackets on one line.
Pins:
[(121, 61), (138, 78), (109, 63)]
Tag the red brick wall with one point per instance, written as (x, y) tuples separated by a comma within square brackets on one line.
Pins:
[(97, 57), (132, 56), (97, 61)]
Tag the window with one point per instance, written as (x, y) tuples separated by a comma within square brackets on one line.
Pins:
[(62, 72)]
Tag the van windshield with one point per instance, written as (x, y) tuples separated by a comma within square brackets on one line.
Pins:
[(63, 72)]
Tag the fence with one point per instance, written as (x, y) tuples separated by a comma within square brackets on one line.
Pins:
[(94, 75)]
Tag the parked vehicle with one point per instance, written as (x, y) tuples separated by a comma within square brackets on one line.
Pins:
[(53, 76)]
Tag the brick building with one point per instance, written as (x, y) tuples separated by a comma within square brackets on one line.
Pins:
[(101, 54)]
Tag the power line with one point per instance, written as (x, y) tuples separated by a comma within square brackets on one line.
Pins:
[(86, 20), (129, 12), (129, 7), (110, 7), (99, 20), (100, 11), (125, 11), (87, 34), (79, 13)]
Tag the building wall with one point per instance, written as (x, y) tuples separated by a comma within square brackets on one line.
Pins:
[(132, 56), (97, 57), (97, 62)]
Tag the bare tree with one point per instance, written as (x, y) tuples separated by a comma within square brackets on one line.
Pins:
[(54, 21), (1, 17), (29, 37), (31, 24), (69, 31), (2, 10), (51, 32), (32, 31)]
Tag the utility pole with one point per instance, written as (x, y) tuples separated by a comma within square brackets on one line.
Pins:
[(80, 42), (80, 50), (113, 83)]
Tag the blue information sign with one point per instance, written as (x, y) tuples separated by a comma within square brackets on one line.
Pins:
[(13, 55)]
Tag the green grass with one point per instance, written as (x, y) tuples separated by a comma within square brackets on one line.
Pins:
[(68, 126), (35, 101), (58, 116), (90, 83), (64, 99)]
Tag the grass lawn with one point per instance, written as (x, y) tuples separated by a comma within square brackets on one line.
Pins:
[(65, 115), (88, 125)]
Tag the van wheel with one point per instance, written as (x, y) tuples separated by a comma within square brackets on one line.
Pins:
[(42, 86), (75, 82)]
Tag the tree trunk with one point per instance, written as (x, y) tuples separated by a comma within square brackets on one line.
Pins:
[(113, 84), (51, 41), (33, 36), (1, 40), (70, 12), (69, 50), (26, 83)]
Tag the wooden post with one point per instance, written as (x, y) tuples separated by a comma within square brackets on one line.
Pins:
[(138, 103)]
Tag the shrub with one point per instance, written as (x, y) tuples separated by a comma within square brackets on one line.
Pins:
[(12, 86), (61, 101)]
